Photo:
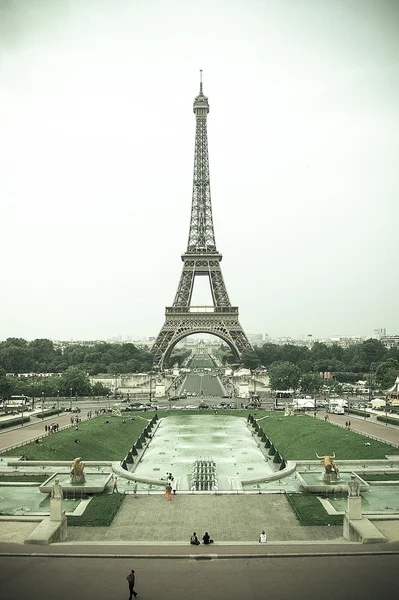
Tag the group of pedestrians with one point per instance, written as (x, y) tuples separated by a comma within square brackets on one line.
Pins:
[(170, 486), (53, 428), (206, 539)]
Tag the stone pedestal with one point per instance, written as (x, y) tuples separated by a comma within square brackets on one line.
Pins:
[(56, 512), (354, 510)]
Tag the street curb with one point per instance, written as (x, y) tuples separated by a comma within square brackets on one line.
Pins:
[(198, 556)]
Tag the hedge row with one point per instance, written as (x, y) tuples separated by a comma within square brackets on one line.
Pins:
[(360, 413), (13, 422), (390, 420), (48, 413)]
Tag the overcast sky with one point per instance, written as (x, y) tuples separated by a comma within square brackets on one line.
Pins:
[(97, 148)]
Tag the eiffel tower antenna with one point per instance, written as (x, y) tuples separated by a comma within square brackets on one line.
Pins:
[(200, 259)]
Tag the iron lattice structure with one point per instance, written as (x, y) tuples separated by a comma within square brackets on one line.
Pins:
[(200, 259)]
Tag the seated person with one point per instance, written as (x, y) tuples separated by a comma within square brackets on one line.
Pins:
[(262, 537), (207, 539), (194, 541)]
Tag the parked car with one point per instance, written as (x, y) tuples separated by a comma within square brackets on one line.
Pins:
[(203, 406), (191, 407)]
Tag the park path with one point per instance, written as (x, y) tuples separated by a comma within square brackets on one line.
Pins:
[(369, 426), (28, 432)]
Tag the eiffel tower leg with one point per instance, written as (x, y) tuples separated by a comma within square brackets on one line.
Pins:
[(185, 288), (219, 292)]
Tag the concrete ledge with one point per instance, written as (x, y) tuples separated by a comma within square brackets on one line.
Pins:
[(48, 532), (362, 530)]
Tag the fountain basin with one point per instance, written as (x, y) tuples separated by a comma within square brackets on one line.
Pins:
[(95, 483), (313, 482)]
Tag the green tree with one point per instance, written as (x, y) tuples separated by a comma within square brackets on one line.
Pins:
[(5, 384), (77, 380), (250, 359), (386, 373), (99, 389), (311, 383), (284, 376)]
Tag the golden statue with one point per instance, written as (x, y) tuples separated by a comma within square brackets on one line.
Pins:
[(77, 474)]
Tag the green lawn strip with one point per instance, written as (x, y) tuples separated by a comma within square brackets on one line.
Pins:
[(103, 438), (380, 476), (301, 436), (309, 510), (12, 478), (100, 511)]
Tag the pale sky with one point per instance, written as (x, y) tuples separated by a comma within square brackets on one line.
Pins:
[(97, 148)]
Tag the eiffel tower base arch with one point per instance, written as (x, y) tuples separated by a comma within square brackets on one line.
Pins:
[(181, 321)]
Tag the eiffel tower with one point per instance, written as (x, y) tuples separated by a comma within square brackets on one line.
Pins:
[(201, 259)]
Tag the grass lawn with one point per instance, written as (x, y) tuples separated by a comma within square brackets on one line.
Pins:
[(100, 511), (301, 436), (380, 476), (102, 438), (309, 510), (296, 438), (22, 478)]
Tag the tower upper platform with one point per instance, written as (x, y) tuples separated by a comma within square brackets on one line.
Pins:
[(201, 104)]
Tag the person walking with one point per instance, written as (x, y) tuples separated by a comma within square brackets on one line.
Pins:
[(115, 488), (168, 492), (131, 578)]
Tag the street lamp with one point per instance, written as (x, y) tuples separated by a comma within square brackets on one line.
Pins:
[(70, 402), (58, 400), (42, 404), (150, 386)]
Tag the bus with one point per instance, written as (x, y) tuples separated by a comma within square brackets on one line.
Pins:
[(15, 404), (18, 401)]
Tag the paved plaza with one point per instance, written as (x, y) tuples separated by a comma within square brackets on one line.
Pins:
[(228, 518), (232, 519)]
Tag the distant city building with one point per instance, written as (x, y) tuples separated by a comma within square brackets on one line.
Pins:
[(390, 341), (255, 338)]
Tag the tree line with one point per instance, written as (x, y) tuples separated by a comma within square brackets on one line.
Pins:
[(42, 356), (299, 367)]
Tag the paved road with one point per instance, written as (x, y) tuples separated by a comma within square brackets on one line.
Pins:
[(34, 429), (101, 578), (370, 427), (203, 385)]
